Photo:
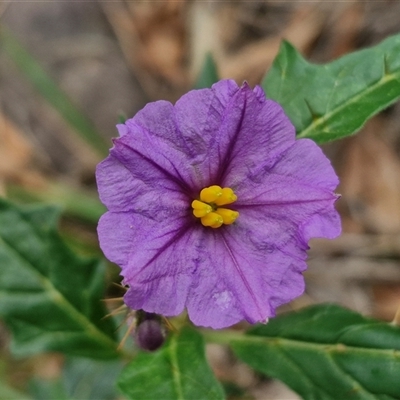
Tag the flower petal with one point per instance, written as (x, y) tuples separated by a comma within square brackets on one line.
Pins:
[(153, 259), (309, 208), (297, 187), (243, 274), (303, 162), (116, 235), (207, 134), (130, 238), (208, 119), (154, 139), (265, 133), (278, 252), (306, 161), (281, 207), (228, 126), (127, 184)]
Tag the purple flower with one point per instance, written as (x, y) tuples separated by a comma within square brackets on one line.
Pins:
[(236, 250)]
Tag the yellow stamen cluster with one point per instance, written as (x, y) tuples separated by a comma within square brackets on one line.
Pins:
[(208, 207)]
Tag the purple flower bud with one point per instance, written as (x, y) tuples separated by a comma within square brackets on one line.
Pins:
[(150, 334)]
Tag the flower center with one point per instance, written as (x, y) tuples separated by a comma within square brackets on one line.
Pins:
[(208, 207)]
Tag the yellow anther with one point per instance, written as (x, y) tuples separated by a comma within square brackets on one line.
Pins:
[(228, 216), (207, 207), (212, 219), (227, 197), (211, 194), (200, 209), (200, 213)]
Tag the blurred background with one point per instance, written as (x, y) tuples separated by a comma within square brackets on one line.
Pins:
[(70, 70)]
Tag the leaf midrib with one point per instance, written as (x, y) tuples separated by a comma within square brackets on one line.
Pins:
[(339, 347), (321, 388), (285, 345), (176, 375), (232, 337), (61, 302), (393, 76)]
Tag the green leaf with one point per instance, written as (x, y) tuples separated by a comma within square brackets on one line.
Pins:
[(50, 298), (47, 389), (9, 393), (82, 378), (334, 100), (91, 380), (208, 74), (326, 352), (177, 371), (51, 92)]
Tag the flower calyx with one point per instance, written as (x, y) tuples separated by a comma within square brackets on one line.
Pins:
[(208, 207)]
